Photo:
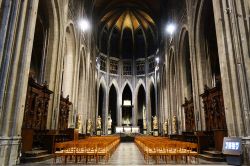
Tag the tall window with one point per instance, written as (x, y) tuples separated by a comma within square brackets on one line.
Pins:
[(140, 68), (113, 66), (103, 61), (151, 63), (127, 68)]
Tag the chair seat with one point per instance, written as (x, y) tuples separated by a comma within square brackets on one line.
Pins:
[(59, 152)]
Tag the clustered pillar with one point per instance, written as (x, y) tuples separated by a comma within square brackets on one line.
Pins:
[(17, 33)]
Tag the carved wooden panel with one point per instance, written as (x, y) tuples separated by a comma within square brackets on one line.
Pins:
[(214, 108), (64, 113), (189, 115), (36, 107)]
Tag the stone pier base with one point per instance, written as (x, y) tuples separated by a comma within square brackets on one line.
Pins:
[(246, 150), (10, 150)]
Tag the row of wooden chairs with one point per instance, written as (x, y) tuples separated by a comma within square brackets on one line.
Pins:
[(165, 149), (87, 149)]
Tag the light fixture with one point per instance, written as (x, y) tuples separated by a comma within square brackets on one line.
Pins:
[(170, 28), (84, 24), (157, 59)]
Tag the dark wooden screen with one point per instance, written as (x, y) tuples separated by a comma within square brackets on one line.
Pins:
[(189, 115), (214, 108), (64, 113), (36, 107)]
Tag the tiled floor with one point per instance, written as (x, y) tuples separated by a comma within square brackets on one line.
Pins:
[(126, 154)]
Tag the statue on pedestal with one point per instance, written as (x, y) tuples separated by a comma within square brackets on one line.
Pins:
[(89, 126), (174, 125), (144, 124), (165, 127), (109, 122), (155, 123), (98, 122), (79, 123)]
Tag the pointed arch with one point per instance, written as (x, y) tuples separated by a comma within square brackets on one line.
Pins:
[(114, 82), (129, 84), (139, 83), (103, 82), (69, 61), (185, 64)]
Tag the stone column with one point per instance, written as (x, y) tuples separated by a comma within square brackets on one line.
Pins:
[(105, 110), (119, 110), (231, 28), (234, 64), (17, 44)]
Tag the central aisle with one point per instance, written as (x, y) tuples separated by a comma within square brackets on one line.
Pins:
[(127, 154)]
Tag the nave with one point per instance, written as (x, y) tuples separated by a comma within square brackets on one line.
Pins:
[(129, 153), (91, 69)]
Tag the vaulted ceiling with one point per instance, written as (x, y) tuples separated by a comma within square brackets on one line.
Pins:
[(127, 29)]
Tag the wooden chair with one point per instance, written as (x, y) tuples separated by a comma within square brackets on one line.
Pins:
[(69, 151), (81, 152), (90, 151), (101, 152), (193, 152), (58, 151), (172, 151)]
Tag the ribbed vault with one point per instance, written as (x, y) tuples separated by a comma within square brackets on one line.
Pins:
[(127, 32)]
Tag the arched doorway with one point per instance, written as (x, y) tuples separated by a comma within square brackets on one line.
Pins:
[(141, 107), (101, 105), (127, 106), (113, 107)]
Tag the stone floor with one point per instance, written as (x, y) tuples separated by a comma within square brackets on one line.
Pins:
[(126, 154)]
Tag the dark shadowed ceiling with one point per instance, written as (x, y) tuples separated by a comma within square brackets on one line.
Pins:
[(127, 29)]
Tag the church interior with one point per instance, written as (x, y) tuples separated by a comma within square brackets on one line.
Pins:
[(124, 82)]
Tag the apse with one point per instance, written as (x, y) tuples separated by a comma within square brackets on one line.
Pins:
[(128, 32)]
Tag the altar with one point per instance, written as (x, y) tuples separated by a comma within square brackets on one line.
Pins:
[(127, 129)]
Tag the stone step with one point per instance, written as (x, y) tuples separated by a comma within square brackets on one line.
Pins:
[(211, 158), (35, 153), (36, 158), (213, 153)]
